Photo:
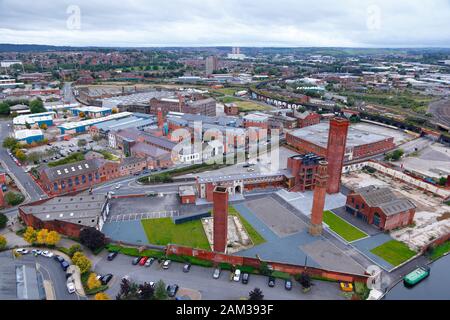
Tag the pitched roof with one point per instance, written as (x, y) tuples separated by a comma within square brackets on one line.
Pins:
[(385, 199), (72, 169)]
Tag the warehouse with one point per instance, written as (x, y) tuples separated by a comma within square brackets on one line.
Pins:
[(138, 121), (36, 119), (29, 136), (360, 144), (91, 112), (83, 126)]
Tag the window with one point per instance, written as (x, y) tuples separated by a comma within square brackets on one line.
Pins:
[(63, 184), (83, 179), (97, 176), (77, 181), (70, 182), (55, 186), (90, 177)]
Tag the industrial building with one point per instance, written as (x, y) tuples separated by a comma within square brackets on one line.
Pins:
[(381, 207), (34, 120), (91, 111), (29, 135), (67, 215), (360, 144), (137, 120), (83, 126)]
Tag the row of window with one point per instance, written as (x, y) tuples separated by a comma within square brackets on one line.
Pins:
[(70, 182)]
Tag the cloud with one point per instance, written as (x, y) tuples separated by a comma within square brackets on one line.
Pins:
[(370, 23)]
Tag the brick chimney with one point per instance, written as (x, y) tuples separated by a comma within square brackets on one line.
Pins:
[(320, 192), (160, 118), (337, 140), (220, 217)]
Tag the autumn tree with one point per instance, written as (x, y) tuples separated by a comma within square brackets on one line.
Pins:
[(21, 156), (41, 236), (101, 296), (74, 249), (53, 238), (93, 282), (80, 260), (3, 242), (30, 235), (44, 126)]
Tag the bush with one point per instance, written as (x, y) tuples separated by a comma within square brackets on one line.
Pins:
[(3, 220), (14, 198), (3, 242), (225, 266), (281, 275), (73, 249), (92, 238), (134, 252)]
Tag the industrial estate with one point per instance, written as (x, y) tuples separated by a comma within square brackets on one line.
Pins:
[(203, 173)]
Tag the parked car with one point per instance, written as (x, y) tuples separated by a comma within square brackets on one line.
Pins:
[(166, 264), (245, 278), (118, 186), (149, 262), (58, 258), (237, 275), (288, 285), (47, 254), (36, 252), (112, 255), (271, 282), (106, 278), (143, 261), (71, 287), (65, 265), (136, 260), (216, 273), (172, 290), (186, 268), (22, 251)]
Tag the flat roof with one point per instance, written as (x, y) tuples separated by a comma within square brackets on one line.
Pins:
[(91, 122), (67, 208), (318, 134), (23, 134), (239, 176)]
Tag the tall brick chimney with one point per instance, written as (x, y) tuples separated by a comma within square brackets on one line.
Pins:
[(337, 140), (220, 215), (181, 102), (320, 192), (160, 118)]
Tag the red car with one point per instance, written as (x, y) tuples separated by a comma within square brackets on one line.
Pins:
[(143, 261)]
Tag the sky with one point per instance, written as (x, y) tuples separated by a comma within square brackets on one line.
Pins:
[(257, 23)]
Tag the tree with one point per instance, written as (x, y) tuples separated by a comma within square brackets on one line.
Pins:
[(3, 242), (53, 238), (74, 249), (4, 108), (256, 294), (93, 282), (128, 290), (34, 157), (20, 155), (160, 292), (41, 236), (10, 143), (101, 296), (305, 280), (114, 111), (82, 115), (264, 269), (37, 106), (44, 126), (3, 220), (30, 235), (146, 291), (80, 260), (92, 238), (82, 142), (13, 198)]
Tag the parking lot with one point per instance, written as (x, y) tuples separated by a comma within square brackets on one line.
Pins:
[(201, 280)]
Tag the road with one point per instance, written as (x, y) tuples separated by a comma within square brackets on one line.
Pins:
[(201, 279), (50, 270), (33, 191), (68, 94)]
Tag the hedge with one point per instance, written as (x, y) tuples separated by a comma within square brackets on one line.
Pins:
[(281, 275), (134, 252)]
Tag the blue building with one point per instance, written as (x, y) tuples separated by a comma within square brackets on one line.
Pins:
[(29, 136)]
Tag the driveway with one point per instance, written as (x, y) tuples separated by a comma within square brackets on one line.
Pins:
[(200, 279)]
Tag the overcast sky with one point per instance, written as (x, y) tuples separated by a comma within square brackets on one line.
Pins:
[(347, 23)]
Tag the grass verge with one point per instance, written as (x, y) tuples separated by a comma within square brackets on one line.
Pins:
[(394, 252), (439, 251), (342, 227)]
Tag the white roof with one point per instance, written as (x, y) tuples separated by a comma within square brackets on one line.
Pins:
[(33, 118), (91, 122), (92, 109), (23, 134)]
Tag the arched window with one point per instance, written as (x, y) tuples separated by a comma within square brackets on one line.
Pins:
[(55, 186), (83, 179), (77, 181), (70, 182)]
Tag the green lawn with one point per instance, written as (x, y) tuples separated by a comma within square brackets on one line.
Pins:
[(257, 239), (440, 250), (164, 231), (247, 106), (394, 252), (342, 227)]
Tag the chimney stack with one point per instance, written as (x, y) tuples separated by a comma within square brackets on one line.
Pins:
[(320, 192)]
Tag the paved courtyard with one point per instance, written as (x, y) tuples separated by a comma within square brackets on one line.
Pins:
[(297, 247)]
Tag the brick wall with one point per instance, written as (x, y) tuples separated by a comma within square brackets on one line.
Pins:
[(253, 262)]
